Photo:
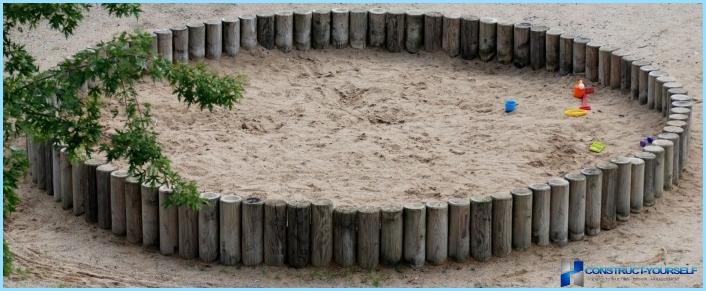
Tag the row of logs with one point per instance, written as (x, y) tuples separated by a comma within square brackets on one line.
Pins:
[(251, 231)]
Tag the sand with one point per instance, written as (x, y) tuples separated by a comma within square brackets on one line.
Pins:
[(374, 127)]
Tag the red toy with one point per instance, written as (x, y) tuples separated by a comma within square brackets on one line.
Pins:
[(582, 92)]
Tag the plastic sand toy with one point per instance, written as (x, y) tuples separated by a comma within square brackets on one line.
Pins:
[(510, 105), (596, 146), (575, 112)]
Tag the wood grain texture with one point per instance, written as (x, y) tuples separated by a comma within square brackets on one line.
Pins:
[(541, 201), (230, 216), (252, 231), (368, 242), (391, 238), (133, 210), (275, 233), (501, 236), (415, 234), (594, 188), (344, 235), (298, 233), (459, 229), (103, 195), (321, 232), (521, 218), (214, 39), (559, 217), (481, 227), (208, 227), (168, 223), (577, 205)]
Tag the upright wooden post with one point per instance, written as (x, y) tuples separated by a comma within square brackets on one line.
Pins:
[(521, 44), (644, 82), (469, 36), (652, 86), (541, 204), (117, 201), (164, 44), (103, 195), (168, 223), (321, 232), (394, 23), (501, 237), (658, 151), (667, 96), (231, 36), (677, 127), (538, 43), (637, 184), (504, 45), (79, 183), (579, 57), (552, 49), (188, 232), (626, 74), (344, 235), (649, 178), (48, 180), (90, 200), (616, 58), (635, 78), (481, 227), (592, 60), (368, 225), (622, 194), (302, 29), (566, 53), (594, 188), (252, 231), (150, 214), (339, 27), (391, 234), (668, 173), (56, 173), (433, 31), (577, 205), (459, 227), (604, 60), (248, 32), (376, 27), (321, 28), (230, 215), (660, 103), (559, 208), (208, 227), (358, 28), (415, 229), (298, 233), (437, 232), (197, 41), (133, 210), (67, 191), (414, 31), (487, 38), (451, 35), (266, 30), (609, 187), (521, 218), (180, 44), (40, 159), (284, 30), (214, 39)]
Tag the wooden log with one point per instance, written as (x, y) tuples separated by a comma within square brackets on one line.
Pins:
[(415, 229), (459, 226), (188, 232), (56, 173), (486, 38), (103, 193), (622, 194), (577, 205), (339, 27), (168, 223), (451, 35), (414, 31), (677, 127), (566, 53), (266, 30), (579, 54), (481, 228), (248, 32), (505, 43), (521, 218), (592, 60), (616, 58), (117, 201), (65, 170), (197, 41), (358, 28), (133, 210), (391, 235), (635, 78), (164, 44), (670, 134), (321, 28), (214, 39), (541, 204), (552, 49), (671, 168), (594, 187), (437, 232), (685, 146), (652, 86), (90, 200), (376, 27), (154, 49), (662, 101), (31, 158), (252, 231), (668, 167), (48, 180), (368, 225), (302, 29), (208, 227), (231, 36), (644, 82), (648, 198), (521, 44), (604, 60), (394, 23), (626, 73), (284, 30), (559, 211), (538, 43), (344, 235), (230, 235), (180, 44), (150, 214), (501, 237), (79, 183), (609, 187), (658, 151), (322, 231), (298, 233), (433, 31), (637, 184), (469, 36), (667, 96)]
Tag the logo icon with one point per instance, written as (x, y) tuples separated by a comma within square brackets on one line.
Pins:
[(571, 272)]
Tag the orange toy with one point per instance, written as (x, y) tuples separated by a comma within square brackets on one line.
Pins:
[(579, 89)]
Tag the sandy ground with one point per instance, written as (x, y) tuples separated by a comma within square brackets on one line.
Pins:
[(374, 127)]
